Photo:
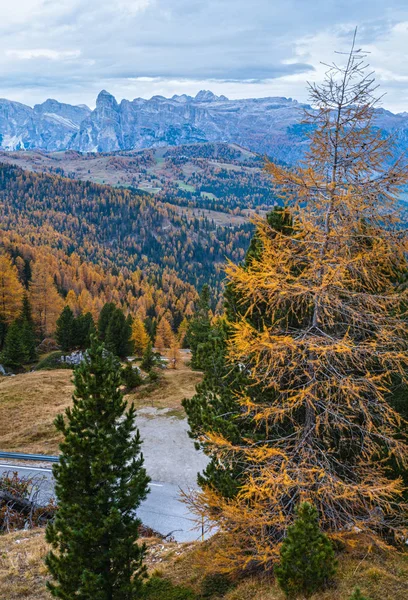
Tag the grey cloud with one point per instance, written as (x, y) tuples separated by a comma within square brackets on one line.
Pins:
[(224, 40)]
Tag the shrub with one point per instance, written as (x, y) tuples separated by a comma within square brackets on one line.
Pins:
[(153, 376), (158, 588), (17, 508), (357, 595), (215, 584), (131, 377), (52, 361), (307, 556)]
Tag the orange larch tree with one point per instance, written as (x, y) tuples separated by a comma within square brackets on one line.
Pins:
[(334, 334), (46, 302), (140, 337), (11, 290)]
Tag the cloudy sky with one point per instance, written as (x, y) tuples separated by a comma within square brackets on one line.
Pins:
[(71, 49)]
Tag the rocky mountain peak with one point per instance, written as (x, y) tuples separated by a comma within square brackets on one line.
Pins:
[(106, 99), (206, 96), (271, 126)]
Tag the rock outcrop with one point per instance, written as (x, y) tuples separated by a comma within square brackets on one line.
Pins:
[(270, 126)]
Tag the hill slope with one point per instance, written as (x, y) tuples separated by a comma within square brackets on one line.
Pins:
[(118, 231)]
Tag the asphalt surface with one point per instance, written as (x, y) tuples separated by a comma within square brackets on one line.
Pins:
[(163, 510)]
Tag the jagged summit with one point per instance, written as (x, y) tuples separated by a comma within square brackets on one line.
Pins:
[(208, 96), (270, 125), (105, 98)]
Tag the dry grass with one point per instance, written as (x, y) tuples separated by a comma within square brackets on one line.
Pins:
[(30, 402), (23, 574), (172, 387), (380, 575), (22, 570)]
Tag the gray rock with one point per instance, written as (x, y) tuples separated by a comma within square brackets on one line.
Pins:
[(270, 126)]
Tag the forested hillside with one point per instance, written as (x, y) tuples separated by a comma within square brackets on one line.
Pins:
[(106, 243)]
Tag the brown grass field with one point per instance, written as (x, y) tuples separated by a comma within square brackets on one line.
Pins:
[(28, 406), (30, 402), (381, 575)]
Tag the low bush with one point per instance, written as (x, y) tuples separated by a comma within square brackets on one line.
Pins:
[(52, 361), (215, 585), (158, 588), (357, 595), (131, 377)]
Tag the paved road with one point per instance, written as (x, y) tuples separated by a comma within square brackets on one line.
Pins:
[(162, 510)]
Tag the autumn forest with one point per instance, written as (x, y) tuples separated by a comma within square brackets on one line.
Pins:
[(286, 290)]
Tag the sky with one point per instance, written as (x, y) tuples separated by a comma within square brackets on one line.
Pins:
[(71, 49)]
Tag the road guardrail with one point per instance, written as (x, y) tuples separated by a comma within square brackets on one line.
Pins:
[(38, 457)]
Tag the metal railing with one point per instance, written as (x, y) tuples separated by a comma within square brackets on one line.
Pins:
[(19, 456)]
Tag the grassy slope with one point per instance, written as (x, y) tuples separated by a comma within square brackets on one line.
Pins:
[(28, 405), (30, 402), (380, 575)]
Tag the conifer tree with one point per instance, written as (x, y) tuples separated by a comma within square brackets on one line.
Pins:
[(105, 316), (28, 329), (115, 330), (3, 331), (182, 332), (11, 291), (45, 300), (307, 561), (140, 337), (84, 328), (322, 334), (199, 328), (159, 344), (118, 334), (174, 355), (100, 482), (65, 329), (164, 335), (210, 409), (149, 359), (14, 354)]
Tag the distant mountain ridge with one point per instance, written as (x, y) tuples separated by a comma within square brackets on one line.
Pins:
[(265, 125)]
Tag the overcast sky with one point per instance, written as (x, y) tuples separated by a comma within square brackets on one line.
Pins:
[(71, 49)]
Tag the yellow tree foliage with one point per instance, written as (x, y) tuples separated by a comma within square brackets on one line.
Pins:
[(182, 331), (334, 336), (174, 355), (11, 290), (164, 334), (140, 337), (46, 302), (159, 344)]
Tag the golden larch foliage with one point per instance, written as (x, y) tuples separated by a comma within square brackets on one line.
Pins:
[(334, 337), (140, 337), (46, 302), (11, 290)]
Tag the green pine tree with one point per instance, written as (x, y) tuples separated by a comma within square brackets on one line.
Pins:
[(307, 560), (149, 359), (100, 482), (84, 328), (118, 334), (14, 354), (65, 329), (105, 317), (3, 331), (28, 329), (215, 401), (199, 328)]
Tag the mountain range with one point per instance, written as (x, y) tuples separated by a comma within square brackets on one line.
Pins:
[(270, 126)]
